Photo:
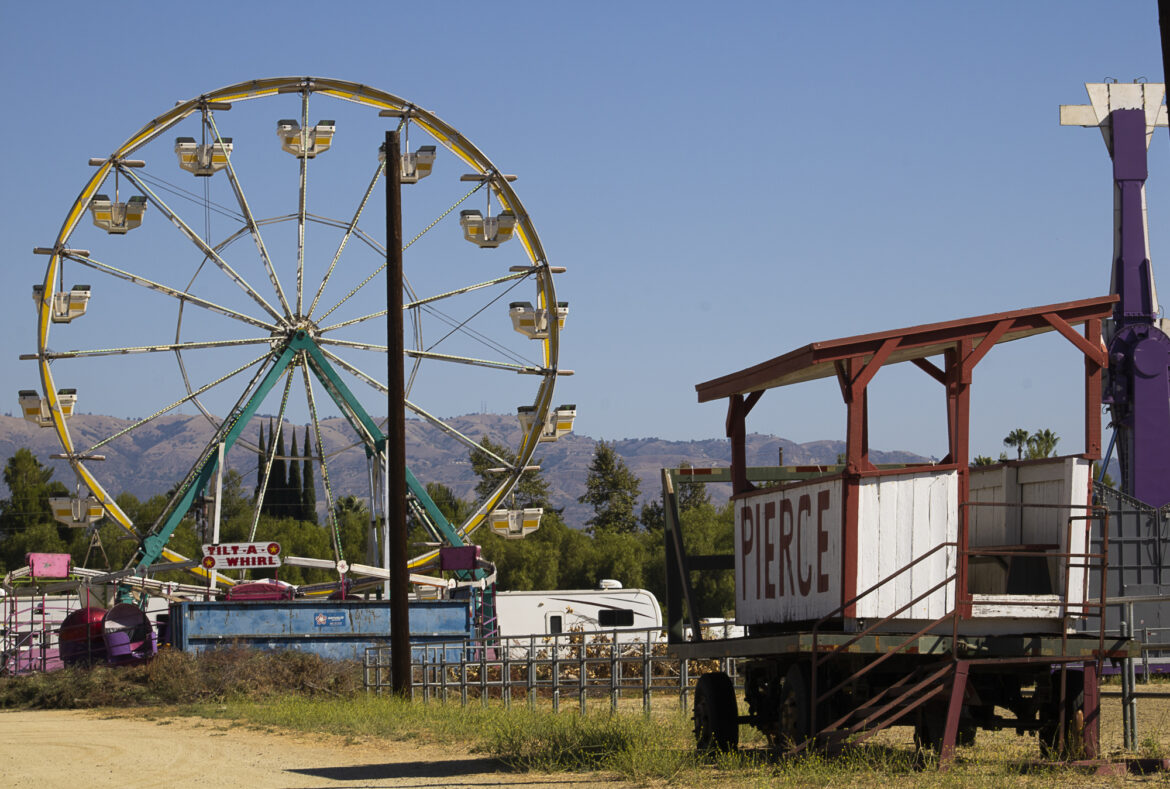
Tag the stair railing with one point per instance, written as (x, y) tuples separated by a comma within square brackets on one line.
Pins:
[(818, 660)]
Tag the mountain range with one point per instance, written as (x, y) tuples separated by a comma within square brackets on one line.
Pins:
[(153, 457)]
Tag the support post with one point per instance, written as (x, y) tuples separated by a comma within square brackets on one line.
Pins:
[(396, 428), (737, 432), (954, 711), (1092, 712), (218, 495), (211, 576), (959, 367), (384, 470)]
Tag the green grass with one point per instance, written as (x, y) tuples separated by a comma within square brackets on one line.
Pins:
[(300, 692), (655, 750)]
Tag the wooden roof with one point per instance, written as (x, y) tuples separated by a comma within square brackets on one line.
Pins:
[(818, 359)]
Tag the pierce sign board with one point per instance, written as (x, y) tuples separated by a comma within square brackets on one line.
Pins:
[(241, 555), (788, 553)]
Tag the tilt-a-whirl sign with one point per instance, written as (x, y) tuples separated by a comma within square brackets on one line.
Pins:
[(241, 555)]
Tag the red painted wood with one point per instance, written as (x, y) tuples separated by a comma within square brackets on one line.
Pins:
[(917, 342), (954, 710), (1092, 709), (1093, 367)]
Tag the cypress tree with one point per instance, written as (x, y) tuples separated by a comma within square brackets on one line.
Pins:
[(292, 503), (259, 465), (308, 484), (278, 482)]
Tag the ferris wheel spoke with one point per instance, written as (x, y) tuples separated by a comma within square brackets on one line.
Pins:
[(192, 236), (380, 248), (462, 328), (198, 199), (523, 369), (468, 289), (330, 514), (271, 456), (177, 346), (191, 396), (250, 221), (349, 231), (412, 407), (469, 442), (354, 321), (367, 378), (527, 369), (303, 197), (169, 291), (353, 291), (441, 216), (202, 458)]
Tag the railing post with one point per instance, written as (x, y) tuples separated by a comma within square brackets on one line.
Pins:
[(1127, 733), (614, 675), (530, 673), (482, 678), (463, 655), (556, 673), (1145, 656), (647, 673), (581, 674)]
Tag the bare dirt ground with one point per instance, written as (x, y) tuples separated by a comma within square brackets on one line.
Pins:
[(86, 750)]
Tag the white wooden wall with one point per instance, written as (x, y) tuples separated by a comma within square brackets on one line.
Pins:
[(900, 518), (1063, 482)]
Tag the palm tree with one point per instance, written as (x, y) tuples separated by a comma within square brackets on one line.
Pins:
[(1018, 438), (349, 504), (1042, 443)]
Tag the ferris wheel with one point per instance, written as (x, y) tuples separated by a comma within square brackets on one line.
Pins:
[(231, 252)]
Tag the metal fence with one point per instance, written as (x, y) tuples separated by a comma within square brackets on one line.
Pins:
[(560, 669)]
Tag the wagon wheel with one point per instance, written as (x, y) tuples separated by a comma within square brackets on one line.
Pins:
[(716, 714), (794, 708)]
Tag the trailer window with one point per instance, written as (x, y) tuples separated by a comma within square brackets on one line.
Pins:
[(615, 617), (554, 624)]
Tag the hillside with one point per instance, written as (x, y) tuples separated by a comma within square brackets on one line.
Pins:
[(154, 457)]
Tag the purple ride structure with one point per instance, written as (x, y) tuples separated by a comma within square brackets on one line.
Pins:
[(1137, 384)]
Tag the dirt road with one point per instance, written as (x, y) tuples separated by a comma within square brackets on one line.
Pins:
[(86, 750)]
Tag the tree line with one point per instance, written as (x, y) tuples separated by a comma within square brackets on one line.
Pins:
[(623, 540)]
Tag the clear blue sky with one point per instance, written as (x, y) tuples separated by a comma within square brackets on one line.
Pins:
[(724, 182)]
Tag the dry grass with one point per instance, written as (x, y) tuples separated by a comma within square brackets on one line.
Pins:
[(298, 691), (177, 677)]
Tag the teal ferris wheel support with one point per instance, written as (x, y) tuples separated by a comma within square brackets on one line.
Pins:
[(300, 348)]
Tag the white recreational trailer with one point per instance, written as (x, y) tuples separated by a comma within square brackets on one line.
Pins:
[(548, 613)]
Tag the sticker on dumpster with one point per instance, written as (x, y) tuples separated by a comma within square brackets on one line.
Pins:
[(331, 619)]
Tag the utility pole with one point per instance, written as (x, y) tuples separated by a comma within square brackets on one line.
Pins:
[(396, 427)]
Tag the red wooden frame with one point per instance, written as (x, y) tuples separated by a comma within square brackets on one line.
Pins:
[(854, 361)]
